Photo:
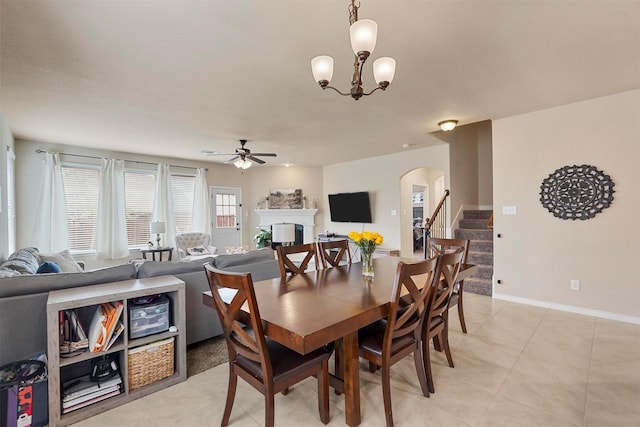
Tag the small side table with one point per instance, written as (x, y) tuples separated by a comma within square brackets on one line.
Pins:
[(159, 251)]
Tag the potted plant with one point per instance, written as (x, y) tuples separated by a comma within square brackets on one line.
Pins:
[(263, 238)]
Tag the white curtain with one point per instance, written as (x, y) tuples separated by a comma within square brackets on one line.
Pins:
[(163, 205), (200, 217), (111, 230), (51, 231)]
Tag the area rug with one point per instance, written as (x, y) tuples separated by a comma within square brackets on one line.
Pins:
[(206, 354)]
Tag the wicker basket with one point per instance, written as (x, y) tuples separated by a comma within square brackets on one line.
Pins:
[(150, 363)]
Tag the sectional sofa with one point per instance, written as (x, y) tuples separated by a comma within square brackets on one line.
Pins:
[(23, 297)]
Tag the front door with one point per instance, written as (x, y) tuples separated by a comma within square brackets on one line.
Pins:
[(226, 217)]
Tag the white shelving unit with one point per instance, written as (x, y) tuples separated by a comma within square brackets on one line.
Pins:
[(87, 298)]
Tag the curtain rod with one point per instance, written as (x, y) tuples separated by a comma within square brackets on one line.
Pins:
[(39, 151)]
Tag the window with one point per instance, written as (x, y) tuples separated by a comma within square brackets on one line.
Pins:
[(225, 210), (139, 188), (182, 187), (81, 184)]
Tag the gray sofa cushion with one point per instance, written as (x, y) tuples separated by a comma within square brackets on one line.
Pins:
[(157, 268), (222, 262), (31, 284)]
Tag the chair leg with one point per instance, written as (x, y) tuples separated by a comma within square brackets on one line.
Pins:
[(461, 311), (386, 394), (373, 367), (285, 391), (436, 343), (422, 376), (427, 364), (445, 344), (323, 392), (269, 406), (231, 394), (338, 368)]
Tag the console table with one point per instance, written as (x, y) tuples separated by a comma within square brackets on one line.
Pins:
[(159, 251)]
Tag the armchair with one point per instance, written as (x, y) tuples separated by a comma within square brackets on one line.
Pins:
[(187, 241)]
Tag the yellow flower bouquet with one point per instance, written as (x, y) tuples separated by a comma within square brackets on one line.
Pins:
[(367, 242)]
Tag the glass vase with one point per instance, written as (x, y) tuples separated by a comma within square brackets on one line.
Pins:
[(367, 264)]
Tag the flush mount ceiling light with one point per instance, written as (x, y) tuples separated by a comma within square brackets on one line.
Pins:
[(447, 125), (364, 34)]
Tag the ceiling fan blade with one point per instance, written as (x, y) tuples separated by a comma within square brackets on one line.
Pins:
[(231, 160), (256, 160), (265, 154)]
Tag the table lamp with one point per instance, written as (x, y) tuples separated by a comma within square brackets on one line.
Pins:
[(283, 233), (157, 227)]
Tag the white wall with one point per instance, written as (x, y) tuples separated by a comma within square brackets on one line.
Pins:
[(539, 254), (381, 177), (6, 141)]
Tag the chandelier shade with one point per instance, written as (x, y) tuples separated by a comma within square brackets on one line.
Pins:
[(384, 69), (364, 34), (322, 68), (242, 163)]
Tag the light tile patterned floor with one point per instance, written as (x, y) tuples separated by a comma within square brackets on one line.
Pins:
[(518, 366)]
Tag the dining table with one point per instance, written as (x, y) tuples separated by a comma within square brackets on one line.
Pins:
[(316, 308)]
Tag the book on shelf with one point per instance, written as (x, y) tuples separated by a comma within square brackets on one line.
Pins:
[(73, 338), (116, 333), (103, 324), (78, 405), (77, 388)]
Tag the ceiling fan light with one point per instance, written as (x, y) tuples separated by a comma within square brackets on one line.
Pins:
[(322, 68), (448, 125), (364, 34), (384, 69), (242, 163)]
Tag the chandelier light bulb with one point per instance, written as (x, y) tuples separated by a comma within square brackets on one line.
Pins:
[(364, 34), (322, 68), (384, 69)]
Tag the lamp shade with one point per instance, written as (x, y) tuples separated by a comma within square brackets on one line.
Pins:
[(322, 68), (364, 34), (157, 227), (384, 69), (242, 163), (283, 232)]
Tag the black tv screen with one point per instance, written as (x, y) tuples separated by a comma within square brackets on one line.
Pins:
[(350, 207)]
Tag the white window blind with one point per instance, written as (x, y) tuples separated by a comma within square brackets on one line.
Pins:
[(182, 187), (81, 186), (139, 193)]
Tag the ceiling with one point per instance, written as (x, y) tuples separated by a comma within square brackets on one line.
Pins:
[(173, 78)]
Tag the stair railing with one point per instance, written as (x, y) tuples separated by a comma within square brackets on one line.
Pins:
[(436, 225)]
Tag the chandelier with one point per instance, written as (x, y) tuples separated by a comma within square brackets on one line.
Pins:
[(363, 34)]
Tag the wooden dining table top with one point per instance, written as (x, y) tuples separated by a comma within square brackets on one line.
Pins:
[(309, 310)]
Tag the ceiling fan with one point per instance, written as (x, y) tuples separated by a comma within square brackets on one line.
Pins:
[(242, 158)]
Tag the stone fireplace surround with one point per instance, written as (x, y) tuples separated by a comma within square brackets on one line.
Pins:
[(304, 217)]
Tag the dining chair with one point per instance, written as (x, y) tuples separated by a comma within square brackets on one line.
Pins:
[(437, 246), (436, 322), (290, 266), (332, 252), (266, 365), (388, 341)]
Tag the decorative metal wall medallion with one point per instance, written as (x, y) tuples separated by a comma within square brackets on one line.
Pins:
[(576, 192)]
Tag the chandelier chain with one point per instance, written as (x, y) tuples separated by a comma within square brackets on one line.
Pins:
[(353, 12)]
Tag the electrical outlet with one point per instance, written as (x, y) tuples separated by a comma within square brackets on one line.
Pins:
[(575, 285)]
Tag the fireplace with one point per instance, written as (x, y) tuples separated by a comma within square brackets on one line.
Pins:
[(303, 218)]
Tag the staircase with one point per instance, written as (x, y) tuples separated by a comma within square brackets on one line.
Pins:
[(475, 227)]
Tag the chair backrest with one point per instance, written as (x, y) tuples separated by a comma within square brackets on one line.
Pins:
[(332, 252), (191, 240), (287, 265), (238, 290), (449, 266), (411, 290), (440, 246)]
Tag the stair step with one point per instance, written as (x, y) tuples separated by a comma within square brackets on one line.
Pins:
[(484, 272), (464, 233), (474, 224), (477, 258), (481, 246), (477, 214), (478, 286)]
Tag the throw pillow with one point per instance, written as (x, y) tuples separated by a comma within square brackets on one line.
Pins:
[(198, 250), (64, 260), (48, 267), (24, 261)]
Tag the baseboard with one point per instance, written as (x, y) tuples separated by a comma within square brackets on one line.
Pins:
[(569, 308)]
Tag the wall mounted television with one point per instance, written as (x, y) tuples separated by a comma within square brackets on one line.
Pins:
[(350, 207)]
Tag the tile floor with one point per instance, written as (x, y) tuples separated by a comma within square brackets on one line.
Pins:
[(518, 366)]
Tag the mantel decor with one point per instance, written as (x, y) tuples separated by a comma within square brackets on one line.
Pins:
[(286, 199), (576, 192)]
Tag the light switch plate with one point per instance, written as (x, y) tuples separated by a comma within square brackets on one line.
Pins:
[(509, 210)]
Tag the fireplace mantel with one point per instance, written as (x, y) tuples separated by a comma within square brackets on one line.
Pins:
[(305, 217)]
